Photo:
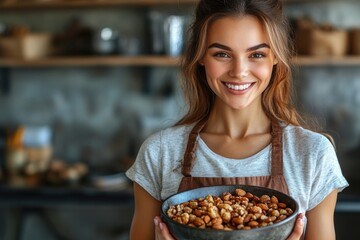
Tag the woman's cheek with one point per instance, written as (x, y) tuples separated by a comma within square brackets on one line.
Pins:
[(213, 74), (213, 70), (263, 72)]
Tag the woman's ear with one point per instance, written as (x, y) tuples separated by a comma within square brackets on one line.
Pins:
[(201, 61), (275, 61)]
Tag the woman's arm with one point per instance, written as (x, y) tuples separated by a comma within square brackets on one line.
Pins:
[(320, 220), (146, 208)]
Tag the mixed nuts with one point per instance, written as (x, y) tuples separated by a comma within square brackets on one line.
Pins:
[(230, 211)]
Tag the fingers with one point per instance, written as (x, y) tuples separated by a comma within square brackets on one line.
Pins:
[(161, 230), (298, 228), (157, 228)]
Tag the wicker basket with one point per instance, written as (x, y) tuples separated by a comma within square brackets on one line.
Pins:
[(316, 40), (355, 41), (30, 46)]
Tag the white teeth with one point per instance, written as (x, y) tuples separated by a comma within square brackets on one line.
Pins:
[(238, 87)]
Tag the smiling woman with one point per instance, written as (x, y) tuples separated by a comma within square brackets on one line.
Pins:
[(241, 126)]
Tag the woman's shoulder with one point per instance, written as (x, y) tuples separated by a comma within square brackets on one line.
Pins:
[(306, 137), (300, 131), (173, 134), (168, 141)]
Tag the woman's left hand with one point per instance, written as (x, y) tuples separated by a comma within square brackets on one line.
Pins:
[(298, 229), (161, 230)]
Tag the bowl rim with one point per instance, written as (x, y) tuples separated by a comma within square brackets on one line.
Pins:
[(288, 219)]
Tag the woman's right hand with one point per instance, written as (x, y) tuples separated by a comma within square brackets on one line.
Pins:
[(298, 229), (161, 230)]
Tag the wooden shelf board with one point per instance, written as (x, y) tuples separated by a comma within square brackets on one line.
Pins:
[(150, 60), (326, 61), (54, 4), (14, 5), (315, 1), (88, 61)]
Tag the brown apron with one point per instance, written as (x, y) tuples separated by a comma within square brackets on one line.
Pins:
[(275, 181)]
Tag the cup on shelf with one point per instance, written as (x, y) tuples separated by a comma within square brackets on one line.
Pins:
[(106, 41), (174, 32), (167, 33)]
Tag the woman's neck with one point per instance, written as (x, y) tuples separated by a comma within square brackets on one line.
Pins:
[(237, 123)]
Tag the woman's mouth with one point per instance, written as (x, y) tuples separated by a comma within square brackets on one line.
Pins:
[(238, 87)]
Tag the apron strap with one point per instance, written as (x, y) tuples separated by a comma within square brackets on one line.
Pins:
[(189, 156), (276, 152)]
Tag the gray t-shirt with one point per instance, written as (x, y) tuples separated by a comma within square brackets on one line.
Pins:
[(311, 167)]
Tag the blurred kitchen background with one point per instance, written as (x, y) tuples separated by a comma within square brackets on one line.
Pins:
[(84, 82)]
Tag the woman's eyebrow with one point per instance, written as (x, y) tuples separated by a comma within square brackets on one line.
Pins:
[(261, 45), (221, 46)]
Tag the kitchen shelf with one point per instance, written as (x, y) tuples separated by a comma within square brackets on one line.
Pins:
[(327, 61), (88, 61), (54, 4), (151, 60), (312, 1)]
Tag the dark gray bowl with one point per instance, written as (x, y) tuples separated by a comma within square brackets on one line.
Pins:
[(277, 231)]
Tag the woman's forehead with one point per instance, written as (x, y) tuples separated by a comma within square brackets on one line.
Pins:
[(237, 31)]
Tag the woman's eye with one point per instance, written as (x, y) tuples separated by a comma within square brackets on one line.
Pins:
[(221, 55), (258, 55)]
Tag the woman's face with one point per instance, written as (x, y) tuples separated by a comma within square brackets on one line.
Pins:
[(238, 61)]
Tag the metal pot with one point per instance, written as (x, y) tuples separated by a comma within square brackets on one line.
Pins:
[(277, 231)]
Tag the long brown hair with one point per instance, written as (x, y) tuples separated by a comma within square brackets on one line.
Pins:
[(276, 99)]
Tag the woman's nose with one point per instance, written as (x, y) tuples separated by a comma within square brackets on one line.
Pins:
[(239, 69)]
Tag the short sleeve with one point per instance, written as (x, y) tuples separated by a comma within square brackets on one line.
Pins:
[(145, 171), (327, 175)]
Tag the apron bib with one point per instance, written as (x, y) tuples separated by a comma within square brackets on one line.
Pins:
[(275, 181)]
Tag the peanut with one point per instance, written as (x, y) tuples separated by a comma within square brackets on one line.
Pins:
[(240, 192)]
